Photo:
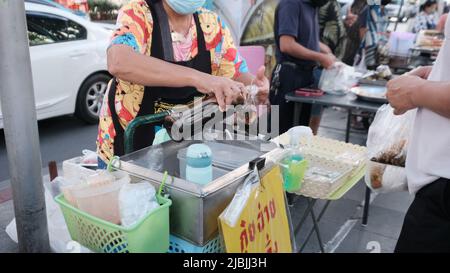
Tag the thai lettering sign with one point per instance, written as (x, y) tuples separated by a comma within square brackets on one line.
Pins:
[(263, 226)]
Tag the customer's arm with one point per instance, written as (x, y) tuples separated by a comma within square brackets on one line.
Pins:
[(325, 49), (434, 96), (289, 45), (409, 92)]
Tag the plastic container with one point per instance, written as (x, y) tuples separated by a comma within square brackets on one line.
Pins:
[(178, 245), (102, 200), (199, 164), (73, 169), (223, 156), (293, 168), (150, 235), (400, 43)]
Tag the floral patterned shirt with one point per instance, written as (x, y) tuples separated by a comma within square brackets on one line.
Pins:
[(135, 28)]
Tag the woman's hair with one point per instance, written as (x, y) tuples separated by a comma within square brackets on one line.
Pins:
[(427, 4)]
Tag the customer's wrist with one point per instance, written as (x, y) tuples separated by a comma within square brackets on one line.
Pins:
[(416, 95)]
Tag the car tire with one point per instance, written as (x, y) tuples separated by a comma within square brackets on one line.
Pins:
[(90, 98)]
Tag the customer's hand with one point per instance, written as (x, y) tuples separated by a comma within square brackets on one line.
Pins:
[(263, 86), (224, 89), (421, 71), (400, 92), (327, 60)]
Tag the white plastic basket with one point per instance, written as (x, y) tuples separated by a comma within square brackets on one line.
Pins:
[(351, 154), (319, 186)]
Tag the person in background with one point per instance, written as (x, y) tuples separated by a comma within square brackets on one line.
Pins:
[(376, 26), (332, 34), (332, 28), (356, 31), (426, 227), (298, 53), (427, 17)]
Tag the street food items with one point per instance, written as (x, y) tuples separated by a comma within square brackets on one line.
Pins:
[(430, 39), (386, 178), (387, 143), (395, 155)]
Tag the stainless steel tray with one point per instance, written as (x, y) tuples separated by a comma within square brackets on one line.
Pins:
[(195, 208)]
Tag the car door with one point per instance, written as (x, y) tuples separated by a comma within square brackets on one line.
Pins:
[(57, 54)]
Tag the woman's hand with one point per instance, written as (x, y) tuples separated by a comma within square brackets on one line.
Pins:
[(224, 89), (263, 84)]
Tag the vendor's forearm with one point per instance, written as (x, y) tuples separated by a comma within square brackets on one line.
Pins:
[(127, 65), (434, 96), (289, 46)]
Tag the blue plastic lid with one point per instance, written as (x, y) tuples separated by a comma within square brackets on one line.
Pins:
[(199, 156)]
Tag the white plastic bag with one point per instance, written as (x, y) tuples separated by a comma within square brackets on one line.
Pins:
[(135, 202), (387, 144), (60, 240), (338, 79)]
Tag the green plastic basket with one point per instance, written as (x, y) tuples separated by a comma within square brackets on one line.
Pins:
[(150, 235)]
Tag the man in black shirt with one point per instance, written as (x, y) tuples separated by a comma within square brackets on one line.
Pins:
[(299, 51)]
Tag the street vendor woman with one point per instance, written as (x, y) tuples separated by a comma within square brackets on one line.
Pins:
[(166, 53)]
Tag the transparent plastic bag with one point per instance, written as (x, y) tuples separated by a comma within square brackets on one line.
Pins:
[(387, 144), (383, 178), (338, 79), (155, 158), (253, 106), (135, 202), (232, 213)]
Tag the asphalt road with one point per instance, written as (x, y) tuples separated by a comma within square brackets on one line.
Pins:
[(61, 138)]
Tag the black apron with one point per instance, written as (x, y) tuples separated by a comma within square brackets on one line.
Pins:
[(162, 49)]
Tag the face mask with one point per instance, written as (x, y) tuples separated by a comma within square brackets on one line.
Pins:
[(185, 6), (318, 3)]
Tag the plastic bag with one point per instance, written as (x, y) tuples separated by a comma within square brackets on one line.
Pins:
[(135, 202), (360, 62), (155, 158), (338, 79), (60, 240), (232, 213), (253, 106), (387, 144), (383, 178)]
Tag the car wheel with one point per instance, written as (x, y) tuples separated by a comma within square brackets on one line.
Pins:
[(90, 98)]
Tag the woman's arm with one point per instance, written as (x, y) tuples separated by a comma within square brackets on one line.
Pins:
[(125, 64)]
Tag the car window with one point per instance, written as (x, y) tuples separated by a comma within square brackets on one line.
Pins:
[(48, 29), (76, 31)]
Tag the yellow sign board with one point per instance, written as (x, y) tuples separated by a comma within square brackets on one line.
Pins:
[(263, 225)]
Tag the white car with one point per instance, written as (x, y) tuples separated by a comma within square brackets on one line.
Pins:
[(68, 59)]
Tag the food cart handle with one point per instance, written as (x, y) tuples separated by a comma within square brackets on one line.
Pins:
[(139, 121)]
